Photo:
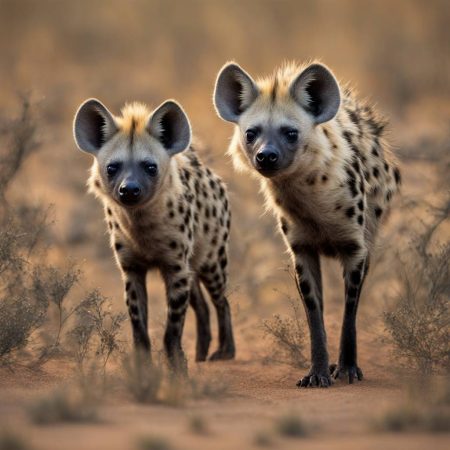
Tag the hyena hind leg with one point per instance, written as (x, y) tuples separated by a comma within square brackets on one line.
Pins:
[(201, 310), (215, 282)]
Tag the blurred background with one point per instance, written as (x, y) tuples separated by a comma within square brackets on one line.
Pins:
[(60, 53), (394, 53)]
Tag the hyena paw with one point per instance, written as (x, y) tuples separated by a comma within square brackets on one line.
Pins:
[(316, 378), (222, 354), (349, 372)]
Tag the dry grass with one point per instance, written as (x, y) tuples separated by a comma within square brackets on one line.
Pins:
[(291, 425), (63, 405), (12, 441), (198, 425), (288, 335), (426, 408), (153, 443), (419, 323)]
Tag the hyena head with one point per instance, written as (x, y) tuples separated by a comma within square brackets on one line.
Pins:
[(275, 116), (132, 152)]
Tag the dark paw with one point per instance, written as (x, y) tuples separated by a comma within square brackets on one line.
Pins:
[(316, 379), (222, 354), (201, 353), (346, 372)]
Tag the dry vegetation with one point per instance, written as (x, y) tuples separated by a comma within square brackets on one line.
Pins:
[(63, 328)]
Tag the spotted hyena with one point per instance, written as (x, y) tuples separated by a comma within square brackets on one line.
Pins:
[(328, 175), (165, 210)]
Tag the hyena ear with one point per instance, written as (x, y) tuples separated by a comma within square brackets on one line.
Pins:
[(170, 125), (317, 91), (234, 92), (93, 126)]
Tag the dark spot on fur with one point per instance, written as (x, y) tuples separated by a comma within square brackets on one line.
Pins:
[(173, 245), (310, 303), (127, 286), (375, 172), (360, 220), (375, 151), (347, 248), (361, 205), (347, 136), (284, 225), (397, 176), (378, 211), (97, 184), (133, 295), (324, 178), (118, 246), (206, 228), (108, 211), (350, 212)]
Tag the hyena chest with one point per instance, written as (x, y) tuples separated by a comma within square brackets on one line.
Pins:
[(314, 217)]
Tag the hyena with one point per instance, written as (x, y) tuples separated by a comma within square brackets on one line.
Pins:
[(328, 175), (165, 210)]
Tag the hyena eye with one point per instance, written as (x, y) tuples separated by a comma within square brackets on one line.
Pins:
[(251, 135), (112, 169), (291, 135), (151, 169)]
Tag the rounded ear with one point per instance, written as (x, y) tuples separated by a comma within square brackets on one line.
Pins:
[(93, 126), (317, 91), (170, 125), (234, 92)]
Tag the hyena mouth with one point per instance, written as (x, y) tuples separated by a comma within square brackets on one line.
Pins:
[(268, 173)]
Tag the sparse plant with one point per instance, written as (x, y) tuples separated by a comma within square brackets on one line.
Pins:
[(11, 441), (143, 379), (291, 425), (97, 328), (419, 323), (207, 388), (288, 335), (62, 405), (263, 439), (153, 443), (426, 408), (198, 425)]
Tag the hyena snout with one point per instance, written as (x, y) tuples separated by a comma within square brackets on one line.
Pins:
[(130, 192), (267, 160)]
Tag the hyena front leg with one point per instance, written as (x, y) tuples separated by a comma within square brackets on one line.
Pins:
[(355, 270), (309, 283), (178, 280), (201, 310), (136, 300)]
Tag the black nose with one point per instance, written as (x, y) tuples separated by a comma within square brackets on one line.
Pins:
[(129, 193), (267, 158)]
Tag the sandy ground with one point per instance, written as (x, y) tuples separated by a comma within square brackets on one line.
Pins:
[(258, 394)]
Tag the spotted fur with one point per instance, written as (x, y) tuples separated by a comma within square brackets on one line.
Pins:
[(181, 229), (329, 190)]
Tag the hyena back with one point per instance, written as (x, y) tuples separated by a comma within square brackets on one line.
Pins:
[(165, 210), (328, 175)]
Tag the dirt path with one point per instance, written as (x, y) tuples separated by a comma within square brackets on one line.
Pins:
[(258, 395)]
